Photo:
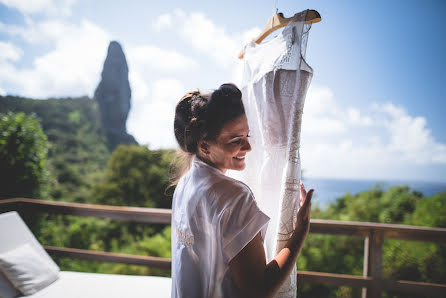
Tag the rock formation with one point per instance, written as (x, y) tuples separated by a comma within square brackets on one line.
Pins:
[(113, 95)]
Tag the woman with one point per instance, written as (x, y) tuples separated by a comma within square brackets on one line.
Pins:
[(217, 228)]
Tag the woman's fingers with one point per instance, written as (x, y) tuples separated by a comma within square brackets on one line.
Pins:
[(305, 198), (309, 196), (303, 194), (303, 215)]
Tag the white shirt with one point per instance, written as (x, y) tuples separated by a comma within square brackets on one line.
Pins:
[(213, 218)]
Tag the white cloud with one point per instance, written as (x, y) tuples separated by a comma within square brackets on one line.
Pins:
[(354, 117), (71, 68), (411, 138), (321, 113), (151, 116), (151, 58), (381, 141), (48, 7), (45, 32), (206, 37), (14, 30), (9, 52), (162, 22), (209, 38)]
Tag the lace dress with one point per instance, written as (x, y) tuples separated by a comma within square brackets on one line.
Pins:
[(275, 83)]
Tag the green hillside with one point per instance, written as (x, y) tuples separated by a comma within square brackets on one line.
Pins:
[(78, 150)]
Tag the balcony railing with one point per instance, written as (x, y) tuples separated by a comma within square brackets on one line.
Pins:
[(371, 282)]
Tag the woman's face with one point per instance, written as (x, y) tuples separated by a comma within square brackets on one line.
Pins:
[(231, 146)]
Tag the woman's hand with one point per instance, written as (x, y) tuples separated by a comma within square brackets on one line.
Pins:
[(249, 271), (303, 215)]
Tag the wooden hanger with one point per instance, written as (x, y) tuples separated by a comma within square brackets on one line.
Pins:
[(278, 21)]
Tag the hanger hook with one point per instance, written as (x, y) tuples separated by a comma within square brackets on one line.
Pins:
[(275, 6)]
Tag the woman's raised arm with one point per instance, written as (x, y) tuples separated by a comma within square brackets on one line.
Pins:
[(249, 271)]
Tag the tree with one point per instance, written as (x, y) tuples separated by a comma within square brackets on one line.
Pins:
[(135, 176), (78, 150), (23, 157)]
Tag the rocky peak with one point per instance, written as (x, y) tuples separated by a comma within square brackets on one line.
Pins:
[(113, 95)]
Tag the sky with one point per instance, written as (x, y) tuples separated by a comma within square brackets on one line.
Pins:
[(374, 110)]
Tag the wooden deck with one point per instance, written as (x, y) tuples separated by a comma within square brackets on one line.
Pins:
[(371, 282)]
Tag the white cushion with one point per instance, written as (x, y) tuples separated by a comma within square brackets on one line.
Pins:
[(7, 290), (26, 269), (14, 233), (100, 285)]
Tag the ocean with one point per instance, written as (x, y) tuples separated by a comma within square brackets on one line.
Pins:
[(328, 190)]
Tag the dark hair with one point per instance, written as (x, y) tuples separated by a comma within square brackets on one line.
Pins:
[(201, 117)]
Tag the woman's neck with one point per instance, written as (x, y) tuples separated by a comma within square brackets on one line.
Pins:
[(210, 163)]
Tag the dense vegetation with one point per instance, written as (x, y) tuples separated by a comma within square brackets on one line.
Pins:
[(135, 176), (78, 149), (23, 157), (406, 260), (80, 168)]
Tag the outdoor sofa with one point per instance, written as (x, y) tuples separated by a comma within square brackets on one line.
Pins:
[(24, 262)]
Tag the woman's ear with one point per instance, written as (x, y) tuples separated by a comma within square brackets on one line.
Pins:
[(203, 147)]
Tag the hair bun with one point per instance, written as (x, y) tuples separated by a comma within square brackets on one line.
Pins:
[(202, 116), (190, 95), (189, 115)]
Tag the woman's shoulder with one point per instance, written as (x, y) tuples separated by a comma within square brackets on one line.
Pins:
[(228, 184), (229, 192)]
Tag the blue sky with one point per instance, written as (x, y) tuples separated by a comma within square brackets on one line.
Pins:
[(374, 109)]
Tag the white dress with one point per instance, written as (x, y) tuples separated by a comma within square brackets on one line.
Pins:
[(213, 218), (276, 79)]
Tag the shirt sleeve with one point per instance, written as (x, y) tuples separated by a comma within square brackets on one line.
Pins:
[(240, 223)]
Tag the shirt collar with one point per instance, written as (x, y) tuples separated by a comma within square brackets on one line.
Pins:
[(199, 163)]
